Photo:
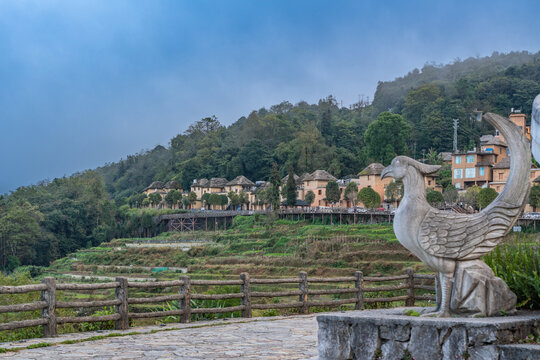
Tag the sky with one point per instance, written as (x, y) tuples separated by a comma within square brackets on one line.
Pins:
[(83, 83)]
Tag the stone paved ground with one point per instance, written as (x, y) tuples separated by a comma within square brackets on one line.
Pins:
[(293, 337)]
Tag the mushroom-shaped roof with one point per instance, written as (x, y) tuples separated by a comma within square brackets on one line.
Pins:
[(372, 169), (155, 185), (286, 178), (320, 175), (172, 184), (301, 178), (265, 185), (201, 182), (240, 180), (503, 164), (218, 182), (446, 156)]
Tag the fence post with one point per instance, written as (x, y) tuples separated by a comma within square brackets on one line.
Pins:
[(121, 293), (49, 296), (185, 303), (303, 297), (410, 289), (359, 285), (246, 290)]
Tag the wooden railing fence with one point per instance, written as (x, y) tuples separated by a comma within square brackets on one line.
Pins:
[(48, 303)]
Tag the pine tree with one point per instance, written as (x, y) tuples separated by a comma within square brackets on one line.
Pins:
[(291, 193), (276, 182)]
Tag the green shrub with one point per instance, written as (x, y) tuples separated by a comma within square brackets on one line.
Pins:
[(517, 262)]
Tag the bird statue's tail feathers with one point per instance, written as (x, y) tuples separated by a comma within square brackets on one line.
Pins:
[(504, 210)]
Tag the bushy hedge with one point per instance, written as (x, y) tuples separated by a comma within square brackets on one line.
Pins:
[(517, 262)]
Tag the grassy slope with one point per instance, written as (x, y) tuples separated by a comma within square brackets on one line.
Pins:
[(281, 248)]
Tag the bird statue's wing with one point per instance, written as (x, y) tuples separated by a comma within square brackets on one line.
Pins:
[(465, 236)]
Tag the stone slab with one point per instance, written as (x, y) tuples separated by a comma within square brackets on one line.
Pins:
[(385, 334)]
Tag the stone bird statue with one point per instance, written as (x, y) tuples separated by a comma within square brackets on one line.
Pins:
[(535, 128), (451, 244)]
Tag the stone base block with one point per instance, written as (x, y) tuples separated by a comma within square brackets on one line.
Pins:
[(390, 334)]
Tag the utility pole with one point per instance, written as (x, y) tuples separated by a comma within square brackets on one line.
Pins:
[(414, 152), (456, 121), (423, 155)]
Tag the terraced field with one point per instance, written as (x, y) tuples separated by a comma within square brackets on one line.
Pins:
[(281, 248)]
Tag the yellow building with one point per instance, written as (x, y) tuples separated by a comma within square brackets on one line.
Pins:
[(371, 177), (155, 187), (316, 182)]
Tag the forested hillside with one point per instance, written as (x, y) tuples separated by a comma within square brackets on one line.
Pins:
[(326, 136), (43, 222)]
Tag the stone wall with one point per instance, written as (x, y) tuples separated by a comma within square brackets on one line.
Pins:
[(389, 334)]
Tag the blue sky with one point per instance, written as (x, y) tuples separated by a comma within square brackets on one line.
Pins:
[(83, 83)]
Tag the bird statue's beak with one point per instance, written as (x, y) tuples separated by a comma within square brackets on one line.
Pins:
[(387, 171)]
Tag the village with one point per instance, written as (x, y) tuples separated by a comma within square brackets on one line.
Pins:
[(488, 166)]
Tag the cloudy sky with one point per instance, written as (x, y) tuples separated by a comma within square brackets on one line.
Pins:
[(83, 83)]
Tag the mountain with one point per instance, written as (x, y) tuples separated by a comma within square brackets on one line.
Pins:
[(326, 136)]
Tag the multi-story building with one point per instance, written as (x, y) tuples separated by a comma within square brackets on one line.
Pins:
[(472, 168), (316, 182), (239, 184)]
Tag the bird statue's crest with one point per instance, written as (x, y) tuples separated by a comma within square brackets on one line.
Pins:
[(425, 169)]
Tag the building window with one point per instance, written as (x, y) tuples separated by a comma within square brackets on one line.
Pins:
[(481, 171), (498, 188), (500, 176), (458, 173), (458, 185), (458, 159), (470, 159), (320, 192), (470, 172)]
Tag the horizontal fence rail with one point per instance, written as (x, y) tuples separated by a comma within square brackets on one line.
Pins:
[(306, 297)]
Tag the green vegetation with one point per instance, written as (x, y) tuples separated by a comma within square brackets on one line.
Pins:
[(517, 262), (534, 196), (486, 197), (332, 192), (290, 189), (434, 198), (86, 209), (369, 197)]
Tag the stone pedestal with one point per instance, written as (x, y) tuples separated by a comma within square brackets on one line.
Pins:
[(390, 334)]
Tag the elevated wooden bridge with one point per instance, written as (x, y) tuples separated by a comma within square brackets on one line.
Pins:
[(213, 220), (220, 220)]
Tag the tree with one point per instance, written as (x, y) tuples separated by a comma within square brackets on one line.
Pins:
[(332, 192), (310, 197), (434, 198), (173, 197), (450, 194), (386, 137), (205, 199), (369, 197), (393, 191), (155, 198), (19, 228), (534, 197), (255, 158), (291, 193), (486, 197), (192, 197), (185, 202), (275, 182), (351, 192), (470, 197), (235, 199)]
